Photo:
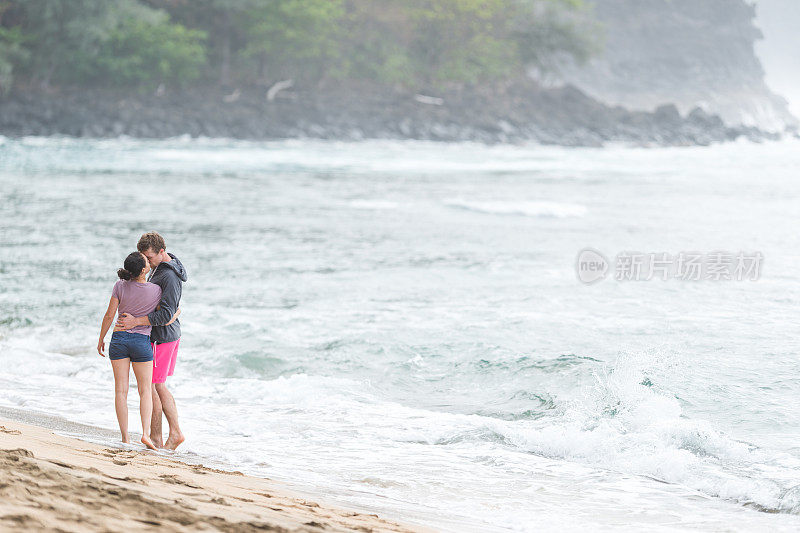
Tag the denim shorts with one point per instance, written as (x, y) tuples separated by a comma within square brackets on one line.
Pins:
[(134, 345)]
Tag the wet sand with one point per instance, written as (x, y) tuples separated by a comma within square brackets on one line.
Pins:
[(50, 482)]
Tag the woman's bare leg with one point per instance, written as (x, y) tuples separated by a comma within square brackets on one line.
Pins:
[(121, 369), (144, 379)]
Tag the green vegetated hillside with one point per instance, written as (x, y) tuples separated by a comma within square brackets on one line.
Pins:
[(142, 44)]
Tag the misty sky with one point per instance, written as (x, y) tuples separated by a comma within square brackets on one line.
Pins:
[(780, 49)]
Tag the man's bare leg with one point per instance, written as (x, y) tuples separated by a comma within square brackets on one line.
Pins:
[(156, 432), (171, 412)]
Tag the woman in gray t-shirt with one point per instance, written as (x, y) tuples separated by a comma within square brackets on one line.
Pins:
[(133, 295)]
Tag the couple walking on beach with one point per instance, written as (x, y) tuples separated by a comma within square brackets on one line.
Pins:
[(146, 337)]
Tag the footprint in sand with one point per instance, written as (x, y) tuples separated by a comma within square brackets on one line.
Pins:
[(9, 431), (175, 480), (309, 504), (118, 457), (14, 455), (129, 479)]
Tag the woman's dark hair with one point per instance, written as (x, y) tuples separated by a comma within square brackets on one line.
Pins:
[(134, 264)]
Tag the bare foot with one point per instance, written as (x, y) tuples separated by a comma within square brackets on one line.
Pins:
[(157, 440), (174, 441), (147, 442)]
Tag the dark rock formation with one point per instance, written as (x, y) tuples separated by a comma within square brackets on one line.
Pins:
[(693, 53), (519, 112)]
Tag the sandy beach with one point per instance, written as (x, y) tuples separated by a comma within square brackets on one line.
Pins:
[(50, 482)]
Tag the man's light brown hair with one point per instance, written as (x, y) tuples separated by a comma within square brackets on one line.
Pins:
[(151, 241)]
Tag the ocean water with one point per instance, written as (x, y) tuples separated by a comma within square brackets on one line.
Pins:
[(398, 326)]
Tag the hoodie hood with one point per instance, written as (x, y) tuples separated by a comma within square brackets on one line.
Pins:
[(175, 265)]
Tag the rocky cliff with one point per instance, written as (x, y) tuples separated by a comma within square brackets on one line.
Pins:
[(693, 53), (523, 111)]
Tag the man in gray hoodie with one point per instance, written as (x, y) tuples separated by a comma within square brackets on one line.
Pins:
[(169, 274)]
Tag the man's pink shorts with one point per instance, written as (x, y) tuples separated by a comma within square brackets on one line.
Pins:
[(164, 357)]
